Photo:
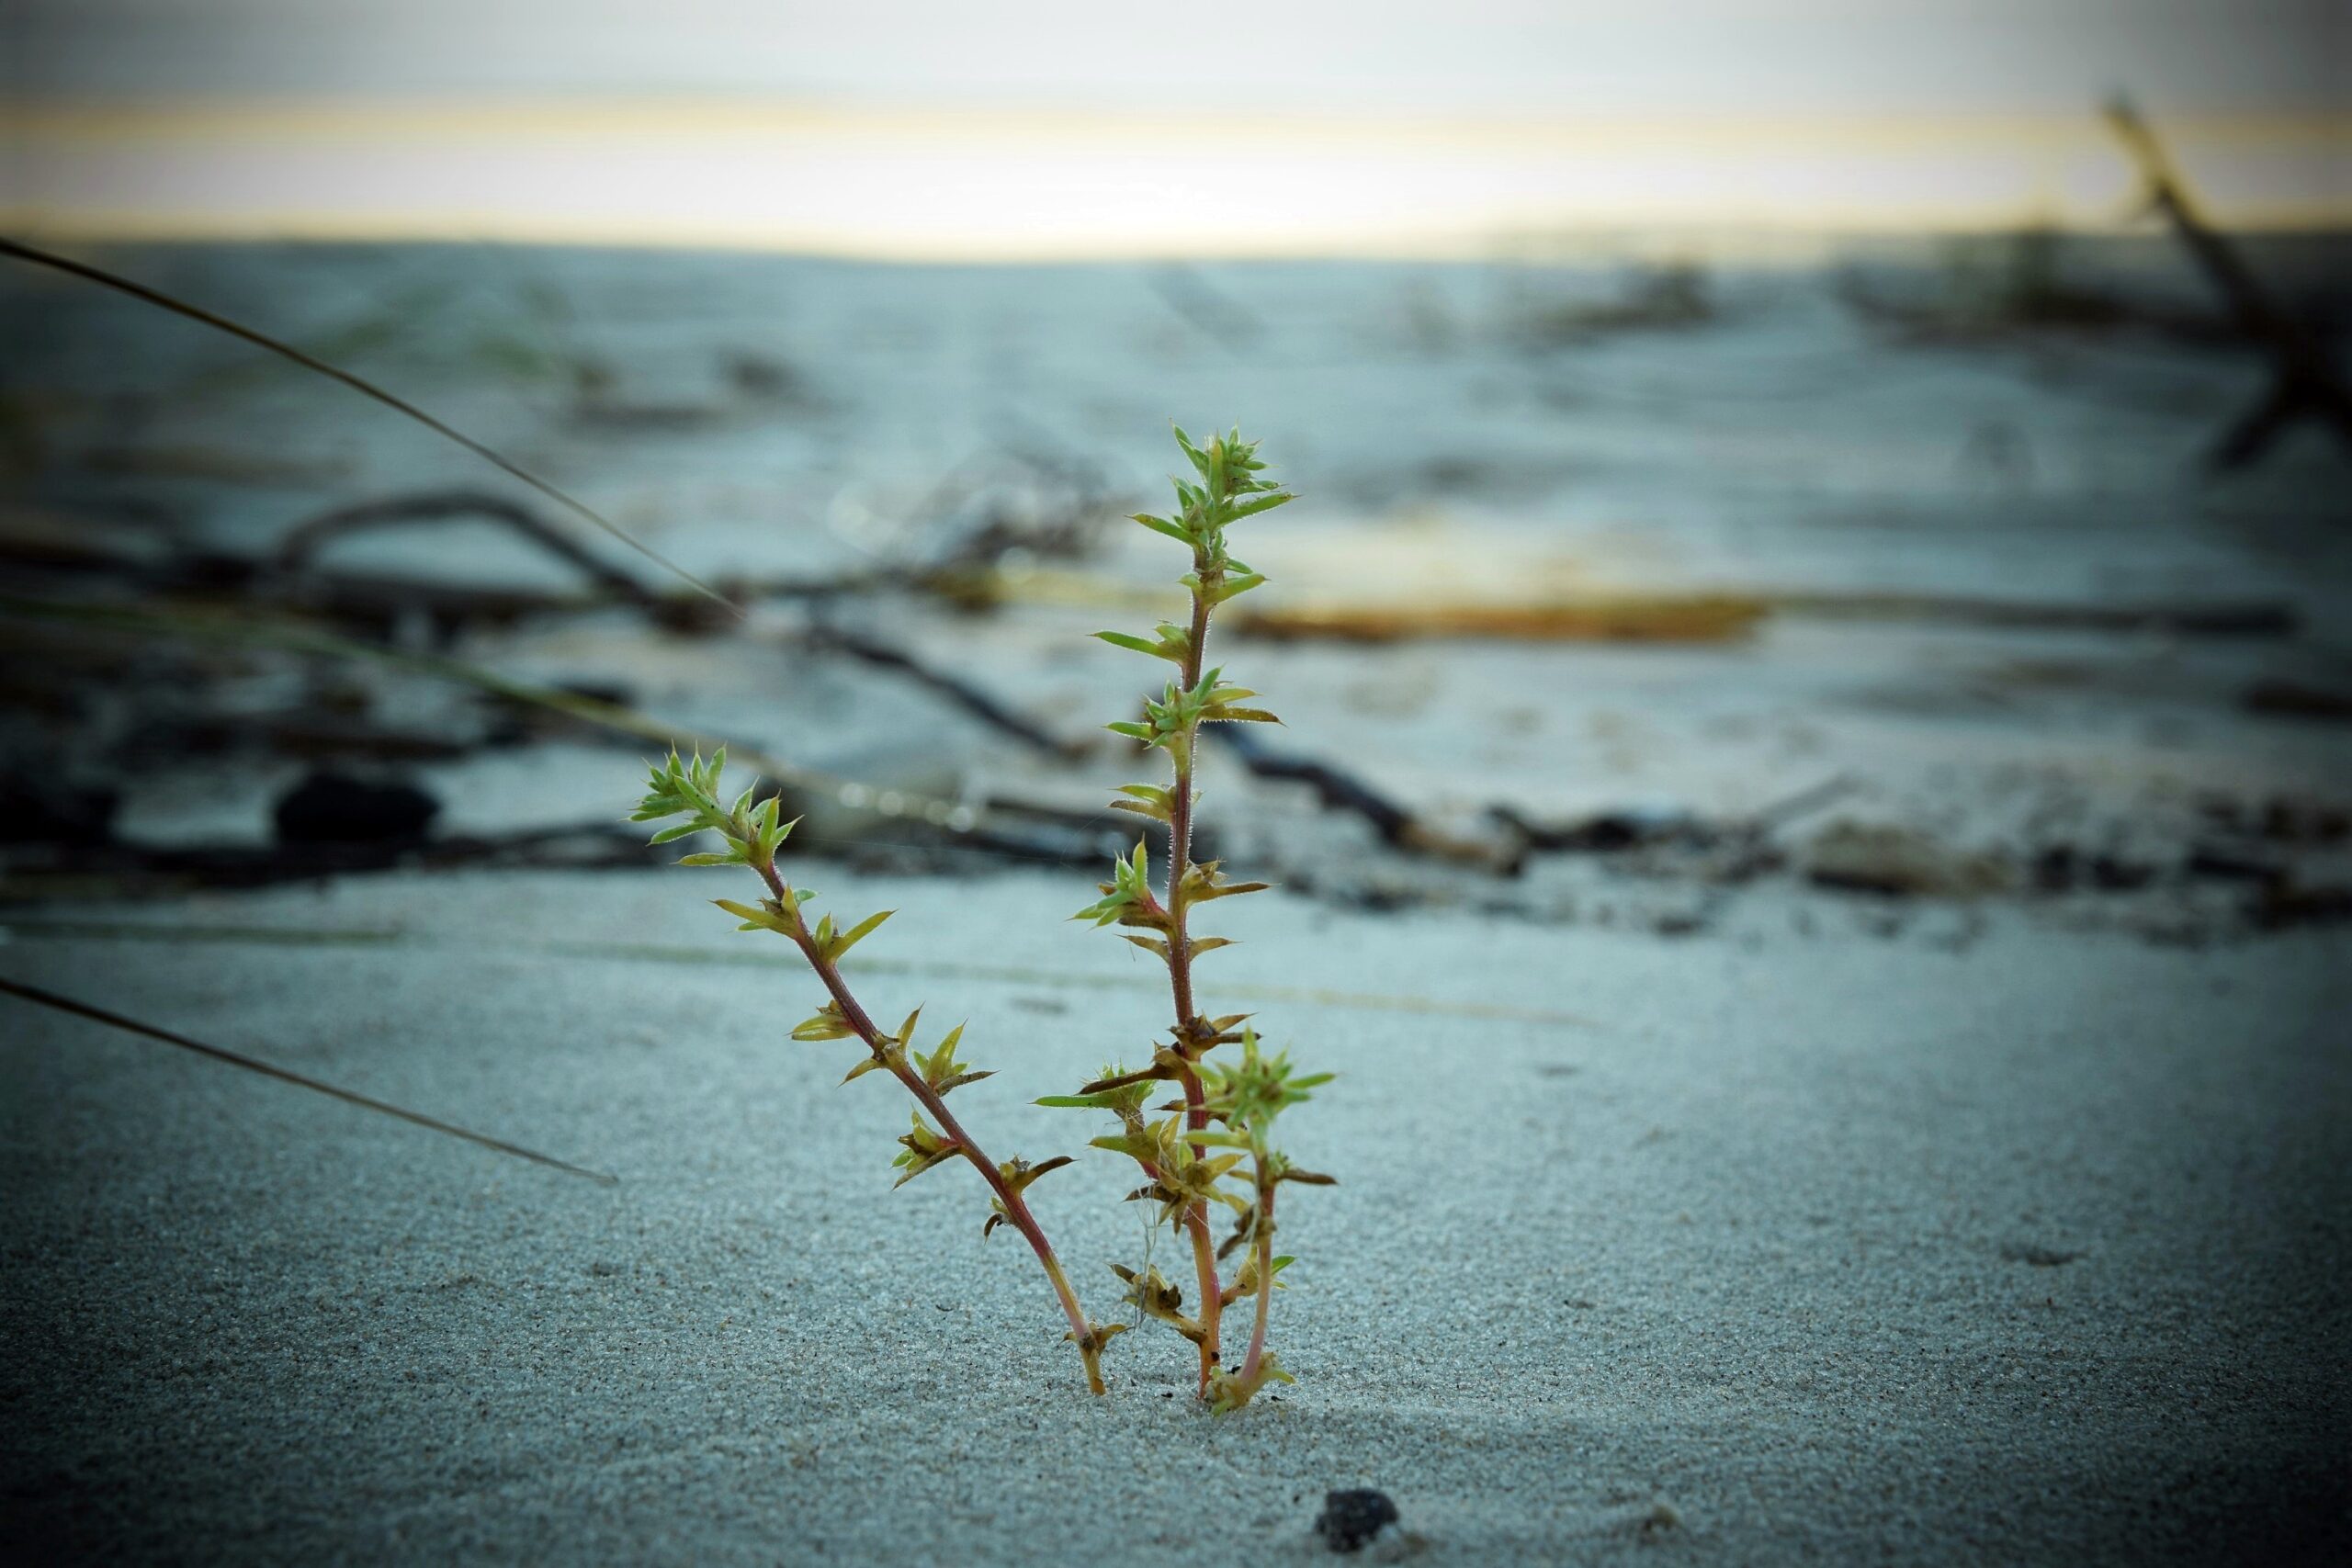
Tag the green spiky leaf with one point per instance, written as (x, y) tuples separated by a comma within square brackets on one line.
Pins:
[(1261, 503), (1162, 525), (825, 1024), (767, 917), (834, 947), (1129, 641)]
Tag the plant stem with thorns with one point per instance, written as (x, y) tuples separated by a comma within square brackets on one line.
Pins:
[(1016, 1209), (1183, 1172), (752, 833)]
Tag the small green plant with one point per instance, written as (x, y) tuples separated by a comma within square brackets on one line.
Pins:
[(1211, 1145)]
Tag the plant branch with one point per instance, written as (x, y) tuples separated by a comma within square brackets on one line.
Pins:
[(304, 541), (1179, 977), (891, 1054), (1265, 1249), (1243, 1098)]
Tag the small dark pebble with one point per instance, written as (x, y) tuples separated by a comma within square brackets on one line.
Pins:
[(332, 809), (1349, 1520), (2039, 1257)]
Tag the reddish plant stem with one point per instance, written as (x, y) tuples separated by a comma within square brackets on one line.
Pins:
[(1180, 852), (1017, 1211), (1179, 979), (1265, 1249), (1197, 1225)]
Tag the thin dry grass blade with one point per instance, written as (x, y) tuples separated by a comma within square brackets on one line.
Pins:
[(180, 933), (131, 1025), (369, 390)]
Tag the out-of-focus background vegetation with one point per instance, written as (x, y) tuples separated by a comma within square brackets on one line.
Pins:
[(1745, 444)]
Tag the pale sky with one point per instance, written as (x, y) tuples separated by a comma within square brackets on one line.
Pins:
[(1447, 56), (1044, 128)]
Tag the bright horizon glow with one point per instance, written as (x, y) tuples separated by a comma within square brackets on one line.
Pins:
[(1027, 129), (1070, 184)]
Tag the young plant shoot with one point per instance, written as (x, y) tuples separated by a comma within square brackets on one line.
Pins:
[(1175, 1155), (1211, 1145)]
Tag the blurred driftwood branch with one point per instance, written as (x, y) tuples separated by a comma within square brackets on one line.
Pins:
[(2303, 383)]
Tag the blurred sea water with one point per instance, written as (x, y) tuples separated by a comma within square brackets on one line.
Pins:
[(1896, 423)]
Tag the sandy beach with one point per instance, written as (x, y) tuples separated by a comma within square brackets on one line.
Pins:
[(1754, 1247), (1848, 1065), (1792, 731)]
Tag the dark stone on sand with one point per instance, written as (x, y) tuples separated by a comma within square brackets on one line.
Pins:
[(1349, 1519), (2040, 1256), (332, 809)]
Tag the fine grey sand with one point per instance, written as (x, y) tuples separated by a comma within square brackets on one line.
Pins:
[(1949, 1170), (1750, 1248)]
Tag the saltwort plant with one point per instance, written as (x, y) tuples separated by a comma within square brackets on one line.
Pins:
[(1211, 1145)]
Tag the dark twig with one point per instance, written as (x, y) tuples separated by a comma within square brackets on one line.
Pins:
[(1340, 790), (1334, 788), (937, 826), (2303, 383), (972, 699), (1619, 831), (116, 1021), (304, 539), (269, 632)]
